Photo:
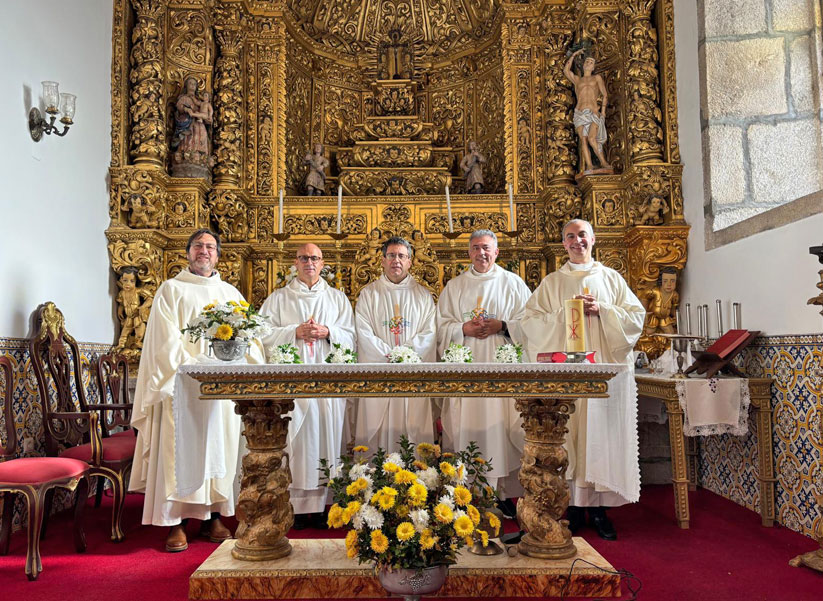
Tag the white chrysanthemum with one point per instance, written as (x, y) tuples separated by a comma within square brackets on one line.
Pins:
[(211, 331), (357, 520), (457, 353), (458, 513), (465, 477), (372, 516), (449, 489), (403, 354), (508, 353), (395, 459), (447, 500), (420, 519), (428, 477), (359, 470), (368, 494)]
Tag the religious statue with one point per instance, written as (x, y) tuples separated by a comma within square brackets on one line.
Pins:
[(316, 178), (190, 144), (610, 215), (472, 166), (424, 261), (133, 306), (651, 211), (141, 212), (661, 304), (394, 58), (590, 111)]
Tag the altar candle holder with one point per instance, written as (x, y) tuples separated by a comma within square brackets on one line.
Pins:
[(278, 255), (338, 238), (452, 237), (512, 235)]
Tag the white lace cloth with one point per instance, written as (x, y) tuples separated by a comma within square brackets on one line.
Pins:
[(710, 406)]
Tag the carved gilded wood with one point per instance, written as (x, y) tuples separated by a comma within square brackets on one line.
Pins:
[(287, 74)]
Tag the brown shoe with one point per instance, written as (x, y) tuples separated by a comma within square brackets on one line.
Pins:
[(176, 540), (215, 530)]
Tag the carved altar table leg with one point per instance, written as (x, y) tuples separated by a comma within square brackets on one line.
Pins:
[(543, 476), (680, 479), (264, 511), (692, 452)]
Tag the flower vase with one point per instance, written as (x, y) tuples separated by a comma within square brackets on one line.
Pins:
[(229, 350), (411, 583)]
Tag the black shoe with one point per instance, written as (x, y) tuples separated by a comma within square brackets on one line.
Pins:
[(601, 523), (507, 508), (302, 521), (576, 517)]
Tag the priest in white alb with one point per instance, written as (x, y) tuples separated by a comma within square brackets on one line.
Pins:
[(602, 439), (165, 348), (394, 310), (313, 316), (481, 309)]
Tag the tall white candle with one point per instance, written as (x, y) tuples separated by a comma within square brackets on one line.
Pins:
[(512, 216), (339, 207), (449, 209), (280, 214)]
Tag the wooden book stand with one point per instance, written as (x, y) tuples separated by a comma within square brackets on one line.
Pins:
[(718, 357)]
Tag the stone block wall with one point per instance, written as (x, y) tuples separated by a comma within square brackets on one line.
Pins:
[(760, 63)]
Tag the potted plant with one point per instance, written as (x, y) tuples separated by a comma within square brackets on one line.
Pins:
[(228, 327)]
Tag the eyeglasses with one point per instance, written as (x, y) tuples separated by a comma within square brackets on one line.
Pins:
[(393, 256), (307, 258), (200, 245)]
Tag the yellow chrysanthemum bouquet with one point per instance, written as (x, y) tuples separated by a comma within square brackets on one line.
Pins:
[(411, 509), (232, 320)]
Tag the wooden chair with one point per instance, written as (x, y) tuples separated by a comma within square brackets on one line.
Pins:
[(57, 368), (115, 418), (35, 478)]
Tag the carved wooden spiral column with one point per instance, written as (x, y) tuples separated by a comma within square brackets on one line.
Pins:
[(543, 476), (264, 512), (642, 85), (148, 125), (228, 101)]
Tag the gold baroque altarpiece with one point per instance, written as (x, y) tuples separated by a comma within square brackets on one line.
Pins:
[(395, 116)]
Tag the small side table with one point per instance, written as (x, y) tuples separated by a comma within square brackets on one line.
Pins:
[(683, 449)]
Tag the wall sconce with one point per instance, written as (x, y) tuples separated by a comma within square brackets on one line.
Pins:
[(39, 126)]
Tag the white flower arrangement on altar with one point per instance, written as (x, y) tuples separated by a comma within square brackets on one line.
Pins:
[(508, 353), (232, 320), (341, 354), (457, 353), (285, 354), (403, 354)]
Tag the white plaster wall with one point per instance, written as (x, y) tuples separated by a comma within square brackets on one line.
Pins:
[(771, 273), (53, 194)]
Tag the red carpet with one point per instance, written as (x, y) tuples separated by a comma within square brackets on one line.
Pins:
[(726, 555)]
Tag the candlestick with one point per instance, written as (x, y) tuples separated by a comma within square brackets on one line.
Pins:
[(512, 215), (688, 319), (449, 209), (575, 328), (339, 207), (736, 316), (719, 318), (677, 320), (706, 321), (280, 214)]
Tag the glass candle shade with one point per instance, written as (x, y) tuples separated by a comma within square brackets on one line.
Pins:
[(50, 96), (67, 105)]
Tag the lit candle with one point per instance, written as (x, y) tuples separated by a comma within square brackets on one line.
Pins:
[(280, 214), (575, 328), (339, 207), (449, 209), (512, 215)]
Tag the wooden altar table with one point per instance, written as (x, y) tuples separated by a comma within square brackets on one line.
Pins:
[(684, 453), (264, 395)]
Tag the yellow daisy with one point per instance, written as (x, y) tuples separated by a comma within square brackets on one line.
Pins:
[(335, 519), (480, 461), (239, 310), (463, 526), (379, 542), (351, 552), (404, 477), (460, 471), (244, 304), (427, 541), (473, 514), (356, 486), (224, 332), (402, 510), (390, 467), (209, 307), (405, 531), (462, 496), (418, 494), (494, 522), (360, 449), (232, 303), (351, 509), (351, 539), (443, 513), (420, 465), (484, 537), (447, 469), (387, 497)]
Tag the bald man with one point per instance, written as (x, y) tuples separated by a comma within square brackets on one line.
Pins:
[(311, 315)]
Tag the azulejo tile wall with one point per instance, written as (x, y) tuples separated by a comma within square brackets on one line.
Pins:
[(728, 464), (27, 410)]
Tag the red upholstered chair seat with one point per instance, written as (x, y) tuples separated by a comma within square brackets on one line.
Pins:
[(131, 433), (40, 470), (115, 448)]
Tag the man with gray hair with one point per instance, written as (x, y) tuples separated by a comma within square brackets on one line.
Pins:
[(602, 438), (481, 309), (394, 310)]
